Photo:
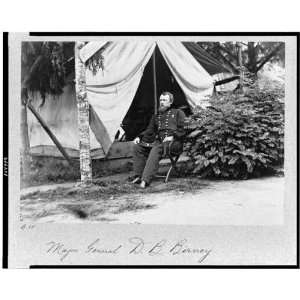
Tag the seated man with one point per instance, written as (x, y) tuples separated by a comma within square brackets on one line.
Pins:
[(163, 135)]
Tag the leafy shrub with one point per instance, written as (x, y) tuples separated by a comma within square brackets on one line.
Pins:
[(238, 135)]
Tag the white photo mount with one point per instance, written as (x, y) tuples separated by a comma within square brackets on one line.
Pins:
[(103, 245)]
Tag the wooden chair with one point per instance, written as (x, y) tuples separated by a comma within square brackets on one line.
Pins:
[(174, 158), (173, 166)]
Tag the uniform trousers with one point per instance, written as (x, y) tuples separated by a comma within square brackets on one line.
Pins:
[(146, 159)]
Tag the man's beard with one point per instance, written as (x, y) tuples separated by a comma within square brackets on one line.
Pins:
[(163, 108)]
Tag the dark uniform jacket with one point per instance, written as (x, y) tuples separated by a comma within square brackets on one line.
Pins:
[(168, 123)]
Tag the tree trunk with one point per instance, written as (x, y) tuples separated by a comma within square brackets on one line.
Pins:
[(252, 57), (83, 118)]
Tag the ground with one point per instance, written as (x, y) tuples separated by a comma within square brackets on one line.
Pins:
[(188, 201)]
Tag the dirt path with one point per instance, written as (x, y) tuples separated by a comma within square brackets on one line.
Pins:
[(251, 202), (182, 201)]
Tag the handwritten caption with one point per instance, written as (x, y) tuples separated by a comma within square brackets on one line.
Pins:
[(133, 246)]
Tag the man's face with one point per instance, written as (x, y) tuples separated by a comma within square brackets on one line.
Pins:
[(164, 101)]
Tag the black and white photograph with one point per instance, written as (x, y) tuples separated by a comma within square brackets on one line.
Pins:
[(163, 132), (167, 133)]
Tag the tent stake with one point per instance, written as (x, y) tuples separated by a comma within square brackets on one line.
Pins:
[(51, 135), (154, 82)]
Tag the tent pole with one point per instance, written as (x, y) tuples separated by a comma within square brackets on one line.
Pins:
[(49, 132), (241, 70), (154, 82)]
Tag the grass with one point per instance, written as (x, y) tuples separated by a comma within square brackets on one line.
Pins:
[(109, 190), (101, 198)]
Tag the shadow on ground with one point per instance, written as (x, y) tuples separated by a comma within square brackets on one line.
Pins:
[(95, 203)]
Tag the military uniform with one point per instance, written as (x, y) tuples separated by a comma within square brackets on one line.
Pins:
[(147, 154)]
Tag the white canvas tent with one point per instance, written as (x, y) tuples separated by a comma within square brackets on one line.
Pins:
[(111, 92)]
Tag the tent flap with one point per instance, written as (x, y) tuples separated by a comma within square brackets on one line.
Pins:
[(194, 80), (90, 49), (209, 63), (111, 90)]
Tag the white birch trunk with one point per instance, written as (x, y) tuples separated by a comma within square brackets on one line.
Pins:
[(83, 118)]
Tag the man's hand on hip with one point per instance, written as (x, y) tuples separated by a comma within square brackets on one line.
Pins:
[(137, 140)]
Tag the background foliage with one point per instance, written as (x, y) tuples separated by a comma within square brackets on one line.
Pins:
[(239, 135), (45, 66), (254, 54)]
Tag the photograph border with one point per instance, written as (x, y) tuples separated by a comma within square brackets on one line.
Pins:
[(5, 152), (5, 248)]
